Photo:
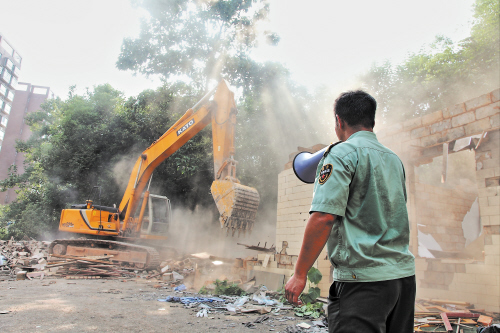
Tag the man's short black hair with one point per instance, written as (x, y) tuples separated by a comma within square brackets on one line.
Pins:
[(356, 108)]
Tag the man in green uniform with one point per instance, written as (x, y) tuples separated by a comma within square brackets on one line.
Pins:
[(359, 211)]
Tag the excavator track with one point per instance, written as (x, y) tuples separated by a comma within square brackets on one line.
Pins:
[(139, 256)]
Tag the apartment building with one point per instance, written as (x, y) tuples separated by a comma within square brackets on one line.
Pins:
[(17, 99)]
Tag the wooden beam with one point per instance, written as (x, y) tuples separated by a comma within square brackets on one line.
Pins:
[(446, 322)]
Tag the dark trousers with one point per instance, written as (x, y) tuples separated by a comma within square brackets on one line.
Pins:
[(372, 307)]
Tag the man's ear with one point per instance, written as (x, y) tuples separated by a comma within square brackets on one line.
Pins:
[(339, 122)]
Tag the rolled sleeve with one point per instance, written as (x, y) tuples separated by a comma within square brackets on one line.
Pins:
[(331, 196)]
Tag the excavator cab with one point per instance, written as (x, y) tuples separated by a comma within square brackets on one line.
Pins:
[(159, 216)]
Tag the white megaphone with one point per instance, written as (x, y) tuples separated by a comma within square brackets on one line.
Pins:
[(305, 163)]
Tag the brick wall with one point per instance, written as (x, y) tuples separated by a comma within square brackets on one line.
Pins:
[(417, 141), (294, 201), (465, 119), (441, 212)]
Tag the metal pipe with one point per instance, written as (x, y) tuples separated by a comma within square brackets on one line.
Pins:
[(205, 97)]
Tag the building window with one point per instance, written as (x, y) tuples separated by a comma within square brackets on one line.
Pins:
[(9, 64), (7, 107), (2, 133), (4, 121), (10, 95), (6, 76), (13, 83), (6, 47), (3, 90), (16, 71)]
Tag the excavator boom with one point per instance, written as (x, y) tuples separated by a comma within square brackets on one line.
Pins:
[(237, 204)]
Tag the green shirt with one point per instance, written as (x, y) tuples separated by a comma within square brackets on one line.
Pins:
[(363, 183)]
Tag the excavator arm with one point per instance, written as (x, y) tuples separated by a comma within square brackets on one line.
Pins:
[(237, 204)]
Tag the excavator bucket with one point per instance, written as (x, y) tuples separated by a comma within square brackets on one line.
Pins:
[(237, 205)]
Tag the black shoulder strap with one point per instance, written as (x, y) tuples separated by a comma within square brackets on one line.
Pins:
[(330, 148)]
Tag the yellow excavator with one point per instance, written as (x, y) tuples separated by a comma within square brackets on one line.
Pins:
[(126, 232)]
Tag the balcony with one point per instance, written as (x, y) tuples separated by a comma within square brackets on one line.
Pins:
[(17, 58), (9, 50)]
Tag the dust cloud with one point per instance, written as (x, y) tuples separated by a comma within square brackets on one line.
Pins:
[(122, 169), (196, 231)]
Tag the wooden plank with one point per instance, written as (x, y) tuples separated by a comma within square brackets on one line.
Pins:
[(82, 258), (439, 308), (446, 322), (462, 315), (446, 301), (420, 308)]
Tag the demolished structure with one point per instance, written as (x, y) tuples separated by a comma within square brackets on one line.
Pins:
[(455, 224)]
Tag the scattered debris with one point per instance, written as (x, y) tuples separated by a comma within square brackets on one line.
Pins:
[(189, 300), (272, 249), (447, 315), (485, 320), (221, 287)]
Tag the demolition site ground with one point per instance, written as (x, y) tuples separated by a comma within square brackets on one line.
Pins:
[(60, 305)]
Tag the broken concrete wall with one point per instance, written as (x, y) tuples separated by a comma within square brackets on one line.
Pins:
[(441, 212), (468, 278), (419, 140)]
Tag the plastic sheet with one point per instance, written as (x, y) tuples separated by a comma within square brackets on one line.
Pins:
[(180, 288), (189, 300)]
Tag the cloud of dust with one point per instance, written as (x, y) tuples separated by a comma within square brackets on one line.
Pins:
[(196, 231), (123, 168)]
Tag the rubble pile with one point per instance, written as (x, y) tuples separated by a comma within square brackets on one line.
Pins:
[(29, 258), (26, 255), (445, 315)]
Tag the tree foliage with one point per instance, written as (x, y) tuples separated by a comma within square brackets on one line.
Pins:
[(194, 40), (442, 74)]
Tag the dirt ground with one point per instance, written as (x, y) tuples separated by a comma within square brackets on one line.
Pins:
[(60, 305)]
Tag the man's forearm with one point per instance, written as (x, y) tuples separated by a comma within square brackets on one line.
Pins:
[(317, 231)]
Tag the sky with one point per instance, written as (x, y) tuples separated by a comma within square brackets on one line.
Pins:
[(323, 42)]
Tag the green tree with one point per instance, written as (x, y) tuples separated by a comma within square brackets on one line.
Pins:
[(442, 74), (194, 40)]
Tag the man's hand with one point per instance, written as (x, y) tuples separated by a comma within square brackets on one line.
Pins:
[(294, 288), (317, 231)]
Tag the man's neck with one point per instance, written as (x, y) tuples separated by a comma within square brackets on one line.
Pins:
[(351, 130)]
